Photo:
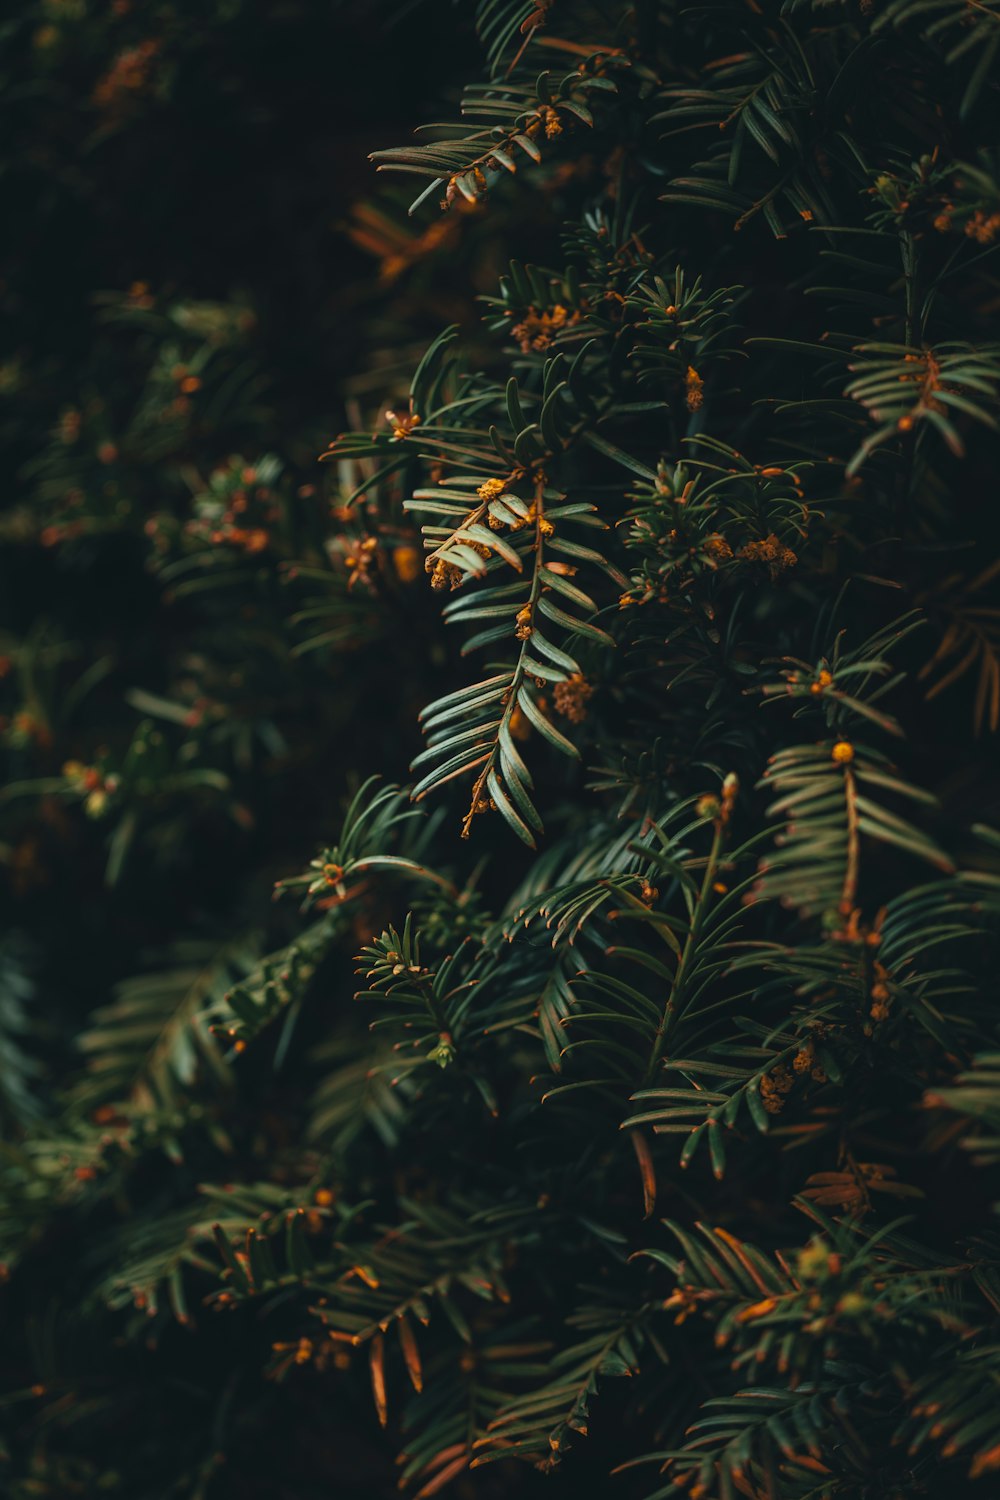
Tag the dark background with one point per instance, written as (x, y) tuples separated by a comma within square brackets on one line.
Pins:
[(224, 169), (211, 150)]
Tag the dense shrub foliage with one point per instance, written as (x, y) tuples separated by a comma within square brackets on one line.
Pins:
[(617, 697)]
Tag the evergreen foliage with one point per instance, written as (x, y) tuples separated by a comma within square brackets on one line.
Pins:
[(619, 699)]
